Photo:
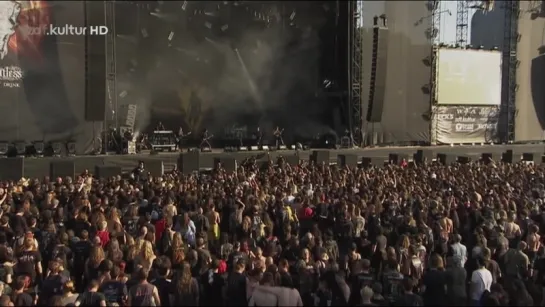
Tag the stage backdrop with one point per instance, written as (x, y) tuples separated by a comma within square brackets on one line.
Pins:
[(42, 76), (464, 124)]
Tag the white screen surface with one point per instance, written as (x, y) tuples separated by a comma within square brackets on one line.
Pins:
[(469, 77)]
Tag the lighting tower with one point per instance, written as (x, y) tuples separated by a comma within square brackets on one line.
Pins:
[(355, 75), (111, 119), (462, 21)]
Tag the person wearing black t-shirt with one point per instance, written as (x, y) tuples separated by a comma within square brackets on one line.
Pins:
[(162, 282), (212, 283), (361, 277), (29, 260), (236, 286), (81, 250), (408, 298), (19, 296), (92, 297), (114, 290)]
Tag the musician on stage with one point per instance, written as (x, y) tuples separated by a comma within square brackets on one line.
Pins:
[(258, 136), (181, 137), (278, 136), (160, 127), (204, 140)]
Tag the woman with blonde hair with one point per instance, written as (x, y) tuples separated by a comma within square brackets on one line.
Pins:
[(178, 251), (96, 256), (113, 219), (29, 259), (114, 252), (146, 256)]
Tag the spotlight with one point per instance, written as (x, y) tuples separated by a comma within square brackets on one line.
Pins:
[(20, 148), (71, 148), (57, 149), (4, 148), (39, 147)]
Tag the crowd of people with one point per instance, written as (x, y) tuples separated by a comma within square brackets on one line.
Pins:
[(274, 234)]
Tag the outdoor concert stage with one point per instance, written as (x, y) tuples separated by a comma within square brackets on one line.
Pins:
[(39, 167)]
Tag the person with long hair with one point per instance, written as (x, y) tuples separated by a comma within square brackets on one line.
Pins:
[(114, 252), (69, 294), (178, 251), (186, 291), (434, 282), (29, 260), (146, 256), (96, 256)]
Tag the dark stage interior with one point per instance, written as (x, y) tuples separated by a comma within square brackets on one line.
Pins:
[(232, 66)]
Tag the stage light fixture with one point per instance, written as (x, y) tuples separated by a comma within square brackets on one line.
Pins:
[(39, 147), (71, 148), (20, 148), (57, 148), (4, 148)]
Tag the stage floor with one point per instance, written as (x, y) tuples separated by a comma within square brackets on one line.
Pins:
[(39, 167)]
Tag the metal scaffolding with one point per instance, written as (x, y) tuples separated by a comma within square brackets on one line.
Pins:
[(355, 76), (435, 41), (462, 21), (111, 118), (509, 69)]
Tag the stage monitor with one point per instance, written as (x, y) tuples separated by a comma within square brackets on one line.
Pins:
[(468, 77)]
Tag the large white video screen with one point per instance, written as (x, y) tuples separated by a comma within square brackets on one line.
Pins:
[(469, 77)]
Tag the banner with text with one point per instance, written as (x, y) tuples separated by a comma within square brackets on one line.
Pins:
[(462, 124)]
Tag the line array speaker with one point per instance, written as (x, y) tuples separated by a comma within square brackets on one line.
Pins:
[(95, 63), (378, 74)]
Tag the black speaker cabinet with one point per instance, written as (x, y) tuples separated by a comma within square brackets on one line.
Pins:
[(320, 156), (511, 156), (62, 169), (12, 168), (373, 161), (488, 156), (423, 156), (464, 159), (155, 167), (229, 164), (347, 160), (446, 159), (107, 171), (396, 158), (189, 162), (292, 160)]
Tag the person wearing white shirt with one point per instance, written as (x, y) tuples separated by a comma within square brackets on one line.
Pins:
[(459, 251), (481, 280)]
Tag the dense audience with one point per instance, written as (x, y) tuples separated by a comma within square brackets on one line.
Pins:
[(278, 235)]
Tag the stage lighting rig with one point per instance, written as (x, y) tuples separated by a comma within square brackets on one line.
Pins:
[(56, 148), (20, 148), (4, 149), (39, 148), (71, 148)]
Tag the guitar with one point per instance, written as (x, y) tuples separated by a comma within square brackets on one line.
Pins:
[(181, 133), (208, 137), (278, 133)]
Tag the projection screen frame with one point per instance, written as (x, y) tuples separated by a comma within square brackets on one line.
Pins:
[(470, 93)]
